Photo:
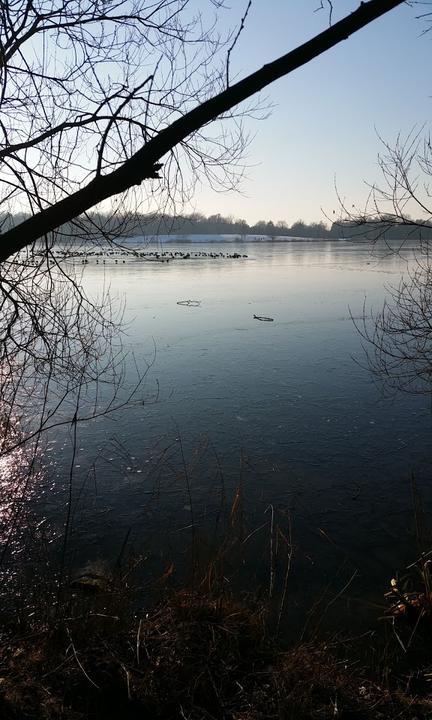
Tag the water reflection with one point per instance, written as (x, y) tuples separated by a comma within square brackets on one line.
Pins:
[(21, 483)]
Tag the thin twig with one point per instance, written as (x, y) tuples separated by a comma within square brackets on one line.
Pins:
[(287, 572), (79, 662), (272, 568), (138, 642), (242, 24)]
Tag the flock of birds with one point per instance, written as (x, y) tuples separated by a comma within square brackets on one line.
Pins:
[(153, 256)]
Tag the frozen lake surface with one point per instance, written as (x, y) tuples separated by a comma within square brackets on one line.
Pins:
[(284, 408)]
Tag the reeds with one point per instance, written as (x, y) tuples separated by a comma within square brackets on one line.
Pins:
[(191, 655)]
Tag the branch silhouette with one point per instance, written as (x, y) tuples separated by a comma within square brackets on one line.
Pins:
[(144, 163)]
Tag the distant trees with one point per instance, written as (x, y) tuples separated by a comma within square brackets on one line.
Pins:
[(198, 224)]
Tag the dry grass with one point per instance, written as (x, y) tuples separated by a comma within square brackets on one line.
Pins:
[(196, 654), (192, 657)]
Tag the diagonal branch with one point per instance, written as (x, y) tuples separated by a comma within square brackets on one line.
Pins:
[(144, 163)]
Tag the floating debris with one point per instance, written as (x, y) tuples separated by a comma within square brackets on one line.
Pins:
[(189, 303), (263, 319)]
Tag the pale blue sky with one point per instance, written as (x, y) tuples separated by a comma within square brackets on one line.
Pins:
[(326, 116)]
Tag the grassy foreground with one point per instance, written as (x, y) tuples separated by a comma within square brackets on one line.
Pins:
[(192, 655), (75, 647)]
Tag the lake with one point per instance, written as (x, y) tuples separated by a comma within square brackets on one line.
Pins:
[(286, 410)]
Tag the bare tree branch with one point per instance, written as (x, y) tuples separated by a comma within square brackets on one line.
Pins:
[(144, 163)]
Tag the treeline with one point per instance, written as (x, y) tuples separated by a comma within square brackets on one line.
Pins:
[(198, 224), (194, 224), (93, 225)]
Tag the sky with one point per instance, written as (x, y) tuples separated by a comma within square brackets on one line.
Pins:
[(327, 117)]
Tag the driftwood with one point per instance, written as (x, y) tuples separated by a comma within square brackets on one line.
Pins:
[(264, 319), (189, 303)]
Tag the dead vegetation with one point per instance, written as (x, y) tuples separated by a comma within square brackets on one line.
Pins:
[(89, 648), (192, 656)]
